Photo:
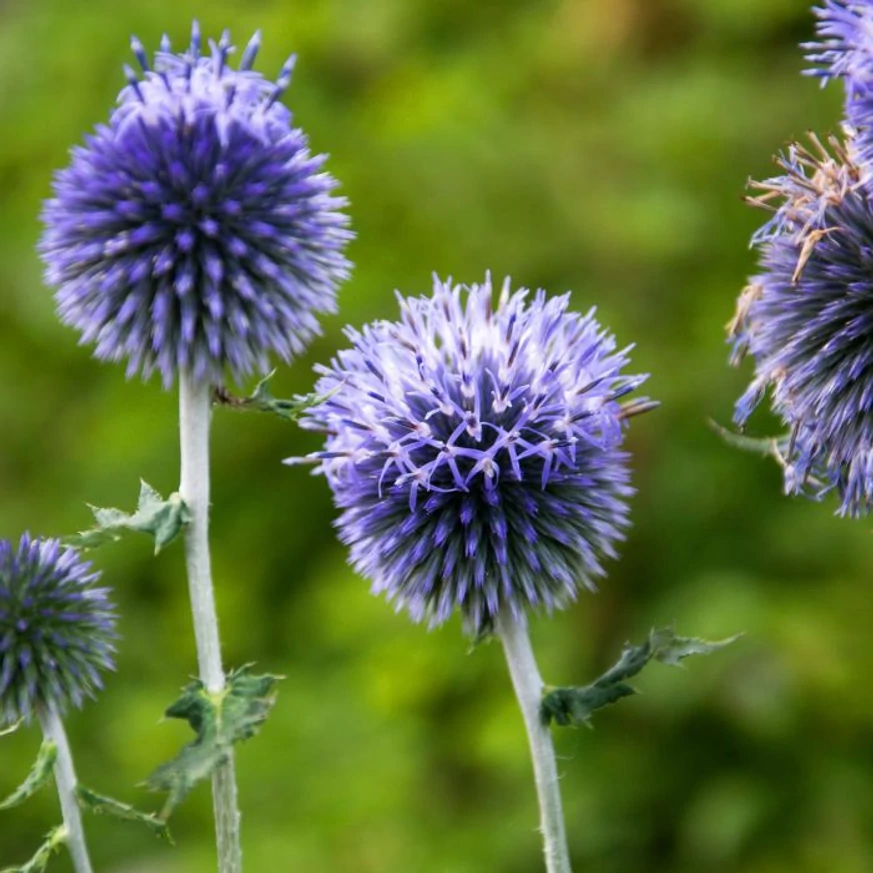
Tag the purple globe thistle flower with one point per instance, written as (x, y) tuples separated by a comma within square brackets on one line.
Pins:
[(195, 230), (474, 450), (807, 318), (56, 628)]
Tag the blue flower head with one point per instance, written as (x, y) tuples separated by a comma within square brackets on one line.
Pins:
[(806, 320), (56, 628), (195, 230), (474, 448)]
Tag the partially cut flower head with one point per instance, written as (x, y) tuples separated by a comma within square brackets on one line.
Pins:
[(474, 448), (57, 628), (195, 230), (807, 321)]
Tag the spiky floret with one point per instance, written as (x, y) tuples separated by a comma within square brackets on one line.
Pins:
[(807, 321), (845, 44), (196, 230), (845, 51), (56, 628), (474, 450)]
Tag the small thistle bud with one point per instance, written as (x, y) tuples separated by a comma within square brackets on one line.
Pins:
[(806, 320), (56, 628), (195, 230), (474, 450)]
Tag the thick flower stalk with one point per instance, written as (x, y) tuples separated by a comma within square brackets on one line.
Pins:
[(194, 235), (195, 231), (57, 632), (806, 317), (474, 448)]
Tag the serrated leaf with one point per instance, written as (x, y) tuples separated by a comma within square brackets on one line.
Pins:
[(219, 720), (39, 775), (575, 705), (37, 864), (99, 804), (774, 447), (162, 519), (778, 448), (262, 400), (672, 650)]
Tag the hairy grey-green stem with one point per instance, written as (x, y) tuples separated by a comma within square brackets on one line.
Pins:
[(529, 688), (195, 409), (65, 779)]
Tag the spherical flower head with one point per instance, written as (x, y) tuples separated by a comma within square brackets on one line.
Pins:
[(807, 321), (474, 450), (195, 230), (56, 628)]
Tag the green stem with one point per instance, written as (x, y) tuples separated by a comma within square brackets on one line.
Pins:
[(65, 779), (195, 408), (529, 689)]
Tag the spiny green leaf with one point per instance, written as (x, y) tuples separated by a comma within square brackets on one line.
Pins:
[(575, 705), (99, 804), (766, 446), (262, 400), (40, 773), (778, 448), (12, 728), (162, 519), (219, 720), (37, 864), (670, 649)]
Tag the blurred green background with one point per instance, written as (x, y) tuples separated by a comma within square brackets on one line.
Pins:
[(597, 145)]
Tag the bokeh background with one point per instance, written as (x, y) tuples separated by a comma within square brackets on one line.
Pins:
[(596, 145)]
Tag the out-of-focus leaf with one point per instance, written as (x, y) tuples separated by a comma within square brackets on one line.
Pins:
[(99, 804), (575, 705), (774, 447), (40, 773), (37, 864)]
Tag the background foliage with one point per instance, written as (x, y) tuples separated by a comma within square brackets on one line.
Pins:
[(598, 145)]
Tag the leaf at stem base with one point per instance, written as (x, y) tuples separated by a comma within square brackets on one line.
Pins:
[(219, 720), (162, 519), (37, 864), (574, 706), (99, 804), (40, 774)]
